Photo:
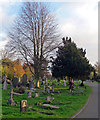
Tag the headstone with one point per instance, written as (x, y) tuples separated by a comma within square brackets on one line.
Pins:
[(64, 83), (11, 101), (23, 106), (29, 94), (52, 88), (26, 88), (48, 98), (42, 83), (19, 79), (15, 82), (31, 86), (44, 88), (37, 84), (55, 80), (36, 95), (46, 81), (59, 83), (47, 89), (5, 83), (24, 80)]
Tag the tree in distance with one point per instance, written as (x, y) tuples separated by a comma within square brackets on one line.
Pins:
[(71, 62)]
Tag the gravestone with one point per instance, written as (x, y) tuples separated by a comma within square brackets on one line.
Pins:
[(44, 88), (15, 82), (59, 83), (11, 101), (48, 98), (19, 79), (26, 88), (31, 85), (23, 106), (46, 81), (64, 83), (55, 80), (24, 80), (5, 82), (47, 89), (36, 95), (29, 94), (52, 88)]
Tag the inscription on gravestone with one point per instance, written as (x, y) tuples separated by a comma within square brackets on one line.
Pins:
[(23, 106)]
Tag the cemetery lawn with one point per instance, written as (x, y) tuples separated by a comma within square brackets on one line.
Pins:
[(69, 103)]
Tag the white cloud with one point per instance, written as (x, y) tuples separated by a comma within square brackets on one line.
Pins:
[(3, 40), (82, 25)]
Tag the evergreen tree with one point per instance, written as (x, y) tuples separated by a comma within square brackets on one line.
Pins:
[(71, 61)]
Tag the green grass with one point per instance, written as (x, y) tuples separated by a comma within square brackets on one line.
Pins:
[(78, 98)]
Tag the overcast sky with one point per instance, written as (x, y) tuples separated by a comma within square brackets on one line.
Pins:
[(78, 20)]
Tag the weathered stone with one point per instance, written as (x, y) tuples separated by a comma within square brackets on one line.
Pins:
[(15, 82), (47, 89), (23, 106), (44, 88), (55, 80), (5, 82), (11, 101), (51, 106), (30, 107), (24, 80), (52, 88), (48, 98), (29, 94), (36, 95), (46, 81), (26, 88), (64, 83), (31, 85)]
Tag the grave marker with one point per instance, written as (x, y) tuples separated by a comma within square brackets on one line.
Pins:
[(23, 106), (11, 101), (36, 95), (29, 94), (31, 85), (48, 98), (47, 89), (44, 88), (24, 80), (64, 83), (5, 82), (15, 82)]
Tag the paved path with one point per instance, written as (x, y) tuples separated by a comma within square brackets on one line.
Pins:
[(91, 110)]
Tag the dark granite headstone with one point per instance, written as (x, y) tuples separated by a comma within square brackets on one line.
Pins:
[(24, 80), (31, 85), (15, 82)]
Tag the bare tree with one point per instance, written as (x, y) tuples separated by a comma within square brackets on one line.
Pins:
[(4, 53), (34, 35)]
